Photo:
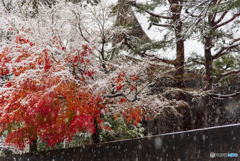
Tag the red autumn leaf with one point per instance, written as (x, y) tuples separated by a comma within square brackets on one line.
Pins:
[(108, 128), (134, 78), (119, 87), (132, 88), (122, 100), (45, 103)]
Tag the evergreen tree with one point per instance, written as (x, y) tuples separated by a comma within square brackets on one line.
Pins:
[(174, 20), (217, 24)]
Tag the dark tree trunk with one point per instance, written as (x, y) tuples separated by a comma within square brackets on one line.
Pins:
[(33, 146), (176, 9), (96, 135), (201, 112), (208, 63), (179, 63)]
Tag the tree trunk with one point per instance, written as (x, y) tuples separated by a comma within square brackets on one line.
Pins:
[(201, 112), (33, 146), (176, 9), (96, 136), (179, 63)]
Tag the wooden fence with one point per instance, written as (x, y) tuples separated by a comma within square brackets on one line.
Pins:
[(220, 143)]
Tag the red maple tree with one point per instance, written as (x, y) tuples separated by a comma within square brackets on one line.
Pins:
[(43, 99)]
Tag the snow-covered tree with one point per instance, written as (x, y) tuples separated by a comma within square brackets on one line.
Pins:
[(52, 58), (216, 23), (63, 78)]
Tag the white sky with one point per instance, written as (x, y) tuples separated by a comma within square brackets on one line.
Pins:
[(153, 33)]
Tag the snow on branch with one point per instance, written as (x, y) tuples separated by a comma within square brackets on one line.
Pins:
[(224, 97), (158, 15), (221, 17), (224, 49), (162, 25), (229, 73), (155, 58), (228, 21)]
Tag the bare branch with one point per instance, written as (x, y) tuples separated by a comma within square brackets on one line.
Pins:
[(228, 73), (219, 2), (157, 15), (8, 9), (123, 95), (221, 18), (162, 25), (224, 97), (115, 95), (223, 51), (228, 21), (80, 29), (155, 58), (235, 40), (192, 13), (170, 1), (126, 42), (196, 61), (215, 14), (219, 54)]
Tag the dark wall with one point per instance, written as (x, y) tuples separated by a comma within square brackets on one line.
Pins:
[(181, 146)]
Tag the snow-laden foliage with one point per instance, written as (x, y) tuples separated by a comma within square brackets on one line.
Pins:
[(51, 94), (62, 77)]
